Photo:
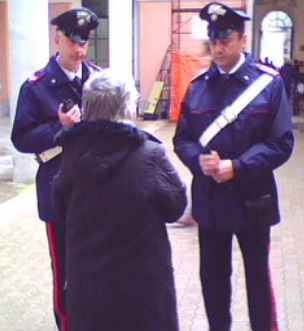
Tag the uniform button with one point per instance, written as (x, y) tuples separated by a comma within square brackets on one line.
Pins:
[(206, 77), (53, 81), (246, 77)]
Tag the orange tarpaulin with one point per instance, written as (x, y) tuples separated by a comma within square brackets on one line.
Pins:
[(184, 68)]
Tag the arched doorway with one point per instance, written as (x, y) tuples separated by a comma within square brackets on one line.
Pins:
[(276, 37)]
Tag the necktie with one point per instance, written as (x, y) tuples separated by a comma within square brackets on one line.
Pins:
[(76, 82)]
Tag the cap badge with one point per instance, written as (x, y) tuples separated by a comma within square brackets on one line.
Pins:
[(216, 10), (83, 18)]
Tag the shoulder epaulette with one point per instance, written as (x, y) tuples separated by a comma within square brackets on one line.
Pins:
[(95, 66), (199, 73), (36, 76), (267, 69)]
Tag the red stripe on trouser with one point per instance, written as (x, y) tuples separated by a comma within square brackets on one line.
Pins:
[(274, 321), (54, 256)]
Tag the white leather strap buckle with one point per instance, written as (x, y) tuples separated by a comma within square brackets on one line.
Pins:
[(221, 122), (229, 115)]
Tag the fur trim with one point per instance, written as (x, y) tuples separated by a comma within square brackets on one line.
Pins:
[(104, 129)]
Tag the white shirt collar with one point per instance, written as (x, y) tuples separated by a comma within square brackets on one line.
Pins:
[(236, 67), (70, 74)]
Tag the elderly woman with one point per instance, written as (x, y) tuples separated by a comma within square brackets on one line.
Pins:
[(117, 189)]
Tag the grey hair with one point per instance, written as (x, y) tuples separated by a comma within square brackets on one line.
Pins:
[(109, 97)]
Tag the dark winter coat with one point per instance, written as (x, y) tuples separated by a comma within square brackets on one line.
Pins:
[(36, 123), (258, 141), (116, 189)]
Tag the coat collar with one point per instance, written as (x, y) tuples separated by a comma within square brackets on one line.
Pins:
[(56, 75), (246, 73), (108, 130), (99, 148)]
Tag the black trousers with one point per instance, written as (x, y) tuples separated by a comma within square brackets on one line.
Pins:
[(216, 271), (56, 240)]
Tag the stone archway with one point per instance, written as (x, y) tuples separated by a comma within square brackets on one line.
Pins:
[(276, 37), (291, 36)]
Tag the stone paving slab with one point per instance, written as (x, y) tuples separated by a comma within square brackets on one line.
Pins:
[(25, 287)]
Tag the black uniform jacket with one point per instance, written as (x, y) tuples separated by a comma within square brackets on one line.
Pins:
[(36, 123), (258, 141)]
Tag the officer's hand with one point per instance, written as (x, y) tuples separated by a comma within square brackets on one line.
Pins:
[(209, 163), (224, 172), (71, 117)]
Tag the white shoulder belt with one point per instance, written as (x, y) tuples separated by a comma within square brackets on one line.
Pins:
[(230, 113)]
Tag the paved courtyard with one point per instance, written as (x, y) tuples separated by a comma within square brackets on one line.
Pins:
[(25, 287)]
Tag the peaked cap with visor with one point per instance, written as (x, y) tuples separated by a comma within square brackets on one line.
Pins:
[(222, 20), (76, 24)]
